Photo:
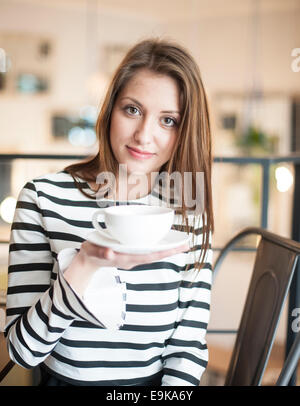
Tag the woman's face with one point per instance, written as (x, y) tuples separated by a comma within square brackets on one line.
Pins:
[(144, 122)]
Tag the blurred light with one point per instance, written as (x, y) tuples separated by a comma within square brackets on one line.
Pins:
[(2, 61), (76, 136), (258, 238), (284, 178), (29, 83), (88, 113), (7, 209), (90, 137), (84, 137), (5, 62)]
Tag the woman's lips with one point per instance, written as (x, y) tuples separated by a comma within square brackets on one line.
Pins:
[(138, 154)]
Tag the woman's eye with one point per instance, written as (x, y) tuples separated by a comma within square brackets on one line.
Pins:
[(169, 122), (133, 111)]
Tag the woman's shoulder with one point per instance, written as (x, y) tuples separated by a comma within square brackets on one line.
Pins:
[(58, 187), (60, 179), (51, 182)]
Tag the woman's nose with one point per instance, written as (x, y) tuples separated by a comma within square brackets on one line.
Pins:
[(144, 131)]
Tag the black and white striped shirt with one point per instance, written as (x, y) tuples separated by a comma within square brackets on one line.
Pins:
[(166, 309)]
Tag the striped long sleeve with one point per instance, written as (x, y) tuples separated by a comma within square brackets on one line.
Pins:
[(165, 309), (186, 353), (39, 308)]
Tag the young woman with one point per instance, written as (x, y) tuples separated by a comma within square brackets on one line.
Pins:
[(89, 315)]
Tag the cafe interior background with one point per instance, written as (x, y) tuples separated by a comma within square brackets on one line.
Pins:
[(56, 58)]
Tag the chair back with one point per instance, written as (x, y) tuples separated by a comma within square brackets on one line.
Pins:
[(290, 363), (274, 266), (6, 363)]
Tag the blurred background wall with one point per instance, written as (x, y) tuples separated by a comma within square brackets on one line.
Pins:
[(57, 56), (238, 44)]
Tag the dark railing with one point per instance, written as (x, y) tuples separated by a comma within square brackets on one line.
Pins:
[(265, 163), (294, 292)]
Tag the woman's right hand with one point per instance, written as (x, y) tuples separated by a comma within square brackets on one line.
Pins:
[(92, 257)]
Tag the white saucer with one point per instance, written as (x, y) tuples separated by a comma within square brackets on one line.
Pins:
[(172, 240)]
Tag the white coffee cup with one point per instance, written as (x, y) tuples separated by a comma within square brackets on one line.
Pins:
[(134, 225)]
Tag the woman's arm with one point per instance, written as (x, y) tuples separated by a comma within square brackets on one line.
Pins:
[(186, 355), (39, 309)]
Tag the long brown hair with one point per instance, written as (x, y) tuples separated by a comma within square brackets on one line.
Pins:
[(192, 152)]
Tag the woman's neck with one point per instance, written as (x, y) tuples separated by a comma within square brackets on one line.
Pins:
[(131, 188)]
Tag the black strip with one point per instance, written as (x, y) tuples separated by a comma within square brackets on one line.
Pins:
[(30, 186), (191, 228), (155, 328), (68, 203), (158, 266), (28, 227), (151, 308), (192, 323), (54, 255), (13, 311), (35, 266), (54, 309), (166, 265), (45, 319), (18, 358), (182, 375), (33, 334), (206, 265), (29, 247), (55, 235), (187, 355), (147, 380), (26, 289), (65, 299), (76, 223), (104, 364), (167, 286), (27, 206), (194, 303), (152, 286), (188, 344), (110, 344), (85, 324), (68, 305), (37, 354), (61, 184), (200, 284), (58, 313)]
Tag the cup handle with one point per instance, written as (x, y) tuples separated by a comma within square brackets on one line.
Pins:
[(96, 225)]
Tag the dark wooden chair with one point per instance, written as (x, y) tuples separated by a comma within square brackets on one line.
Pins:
[(275, 262), (290, 364), (6, 363)]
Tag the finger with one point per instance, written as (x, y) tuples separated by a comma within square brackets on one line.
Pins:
[(97, 251), (168, 253), (175, 250), (108, 254), (154, 256), (92, 249)]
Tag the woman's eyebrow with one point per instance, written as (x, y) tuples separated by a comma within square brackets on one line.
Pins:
[(132, 99), (171, 111), (140, 105)]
